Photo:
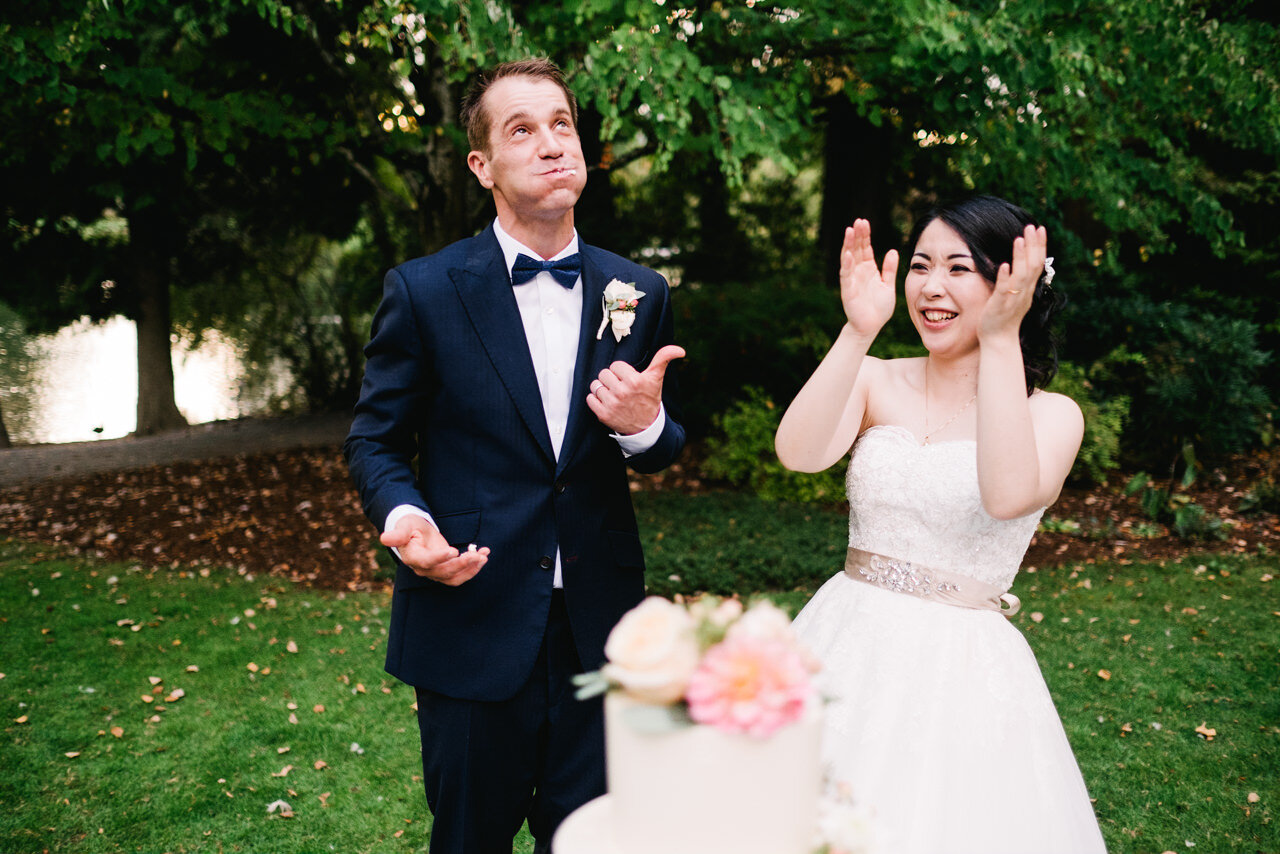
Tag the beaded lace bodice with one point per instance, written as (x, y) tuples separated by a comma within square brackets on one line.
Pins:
[(921, 503)]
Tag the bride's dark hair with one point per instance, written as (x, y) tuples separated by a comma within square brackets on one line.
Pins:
[(988, 226)]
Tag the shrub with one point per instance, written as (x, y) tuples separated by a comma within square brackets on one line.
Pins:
[(1263, 496), (1104, 421), (1178, 365), (1187, 519), (740, 451)]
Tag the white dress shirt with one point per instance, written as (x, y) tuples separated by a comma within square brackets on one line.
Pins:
[(552, 318)]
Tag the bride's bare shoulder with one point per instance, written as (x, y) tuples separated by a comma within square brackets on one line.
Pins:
[(907, 370), (1057, 412), (1055, 403)]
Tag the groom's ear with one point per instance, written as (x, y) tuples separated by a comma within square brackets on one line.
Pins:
[(478, 163)]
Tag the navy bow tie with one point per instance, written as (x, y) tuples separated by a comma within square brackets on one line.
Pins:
[(565, 271)]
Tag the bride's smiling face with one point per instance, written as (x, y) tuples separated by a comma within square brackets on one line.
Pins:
[(945, 293)]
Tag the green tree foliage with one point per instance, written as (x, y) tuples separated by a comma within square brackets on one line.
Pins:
[(180, 122), (725, 137)]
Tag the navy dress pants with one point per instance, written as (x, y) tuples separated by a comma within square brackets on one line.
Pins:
[(489, 766)]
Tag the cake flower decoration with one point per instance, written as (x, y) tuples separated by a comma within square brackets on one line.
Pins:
[(713, 661), (619, 302)]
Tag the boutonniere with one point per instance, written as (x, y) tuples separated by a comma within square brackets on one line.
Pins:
[(620, 300)]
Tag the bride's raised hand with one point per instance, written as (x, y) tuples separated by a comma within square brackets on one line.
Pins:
[(1015, 285), (866, 291)]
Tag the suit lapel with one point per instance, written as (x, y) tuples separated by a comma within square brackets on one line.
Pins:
[(484, 287), (593, 355)]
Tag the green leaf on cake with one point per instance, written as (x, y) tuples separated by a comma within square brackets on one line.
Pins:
[(655, 720)]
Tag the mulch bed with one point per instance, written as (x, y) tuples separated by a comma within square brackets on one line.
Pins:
[(294, 515)]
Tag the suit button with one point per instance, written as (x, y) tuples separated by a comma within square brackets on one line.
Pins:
[(560, 487), (546, 562)]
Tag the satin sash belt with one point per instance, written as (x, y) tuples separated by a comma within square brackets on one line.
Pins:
[(949, 588)]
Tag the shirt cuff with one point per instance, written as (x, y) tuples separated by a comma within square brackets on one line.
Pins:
[(638, 443), (399, 512)]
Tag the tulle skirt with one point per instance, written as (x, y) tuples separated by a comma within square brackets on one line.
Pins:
[(941, 723)]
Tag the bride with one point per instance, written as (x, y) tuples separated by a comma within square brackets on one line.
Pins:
[(941, 721)]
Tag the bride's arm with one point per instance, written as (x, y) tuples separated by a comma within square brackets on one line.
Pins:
[(827, 415), (822, 422), (1026, 445)]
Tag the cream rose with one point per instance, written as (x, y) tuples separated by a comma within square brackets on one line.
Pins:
[(621, 319), (764, 621), (619, 304), (652, 652)]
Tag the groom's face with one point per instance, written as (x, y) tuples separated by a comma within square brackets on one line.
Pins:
[(534, 163)]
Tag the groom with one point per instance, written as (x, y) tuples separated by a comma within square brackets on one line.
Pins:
[(495, 365)]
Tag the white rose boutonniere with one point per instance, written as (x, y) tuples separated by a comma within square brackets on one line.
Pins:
[(620, 301)]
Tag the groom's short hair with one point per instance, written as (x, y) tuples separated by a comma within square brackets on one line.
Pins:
[(477, 121)]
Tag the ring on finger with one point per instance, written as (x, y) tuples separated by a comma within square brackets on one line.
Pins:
[(1014, 291)]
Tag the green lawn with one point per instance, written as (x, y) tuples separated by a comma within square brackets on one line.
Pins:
[(261, 692)]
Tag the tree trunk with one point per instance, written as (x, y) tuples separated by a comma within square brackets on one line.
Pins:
[(5, 442), (859, 160), (157, 409)]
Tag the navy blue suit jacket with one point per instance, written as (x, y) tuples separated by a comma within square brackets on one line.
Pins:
[(449, 381)]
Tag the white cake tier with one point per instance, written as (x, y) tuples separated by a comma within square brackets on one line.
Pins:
[(699, 790)]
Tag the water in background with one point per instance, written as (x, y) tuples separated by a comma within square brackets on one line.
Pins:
[(82, 383)]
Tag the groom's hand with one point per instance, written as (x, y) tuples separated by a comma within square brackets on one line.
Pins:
[(424, 549), (626, 400)]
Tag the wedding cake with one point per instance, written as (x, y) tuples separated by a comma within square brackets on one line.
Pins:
[(701, 790), (712, 733)]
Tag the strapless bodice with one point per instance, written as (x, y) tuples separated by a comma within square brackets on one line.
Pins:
[(921, 503)]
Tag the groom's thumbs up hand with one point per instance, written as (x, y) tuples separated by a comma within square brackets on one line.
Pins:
[(661, 359), (626, 400)]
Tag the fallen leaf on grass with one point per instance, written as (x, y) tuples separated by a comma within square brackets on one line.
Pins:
[(282, 750), (154, 680), (1104, 675), (72, 754), (253, 668), (176, 695), (21, 720), (286, 811), (147, 698), (291, 646), (1253, 798), (318, 708), (1206, 732), (324, 798), (293, 718), (191, 668), (117, 731), (283, 772), (320, 765)]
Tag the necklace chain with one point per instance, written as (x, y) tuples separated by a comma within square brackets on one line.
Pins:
[(944, 424)]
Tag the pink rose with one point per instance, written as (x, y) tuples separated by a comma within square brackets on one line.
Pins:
[(749, 684), (652, 651)]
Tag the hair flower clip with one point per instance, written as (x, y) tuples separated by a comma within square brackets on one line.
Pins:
[(1048, 270)]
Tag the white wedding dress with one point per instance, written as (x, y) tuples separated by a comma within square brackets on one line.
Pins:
[(940, 720)]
